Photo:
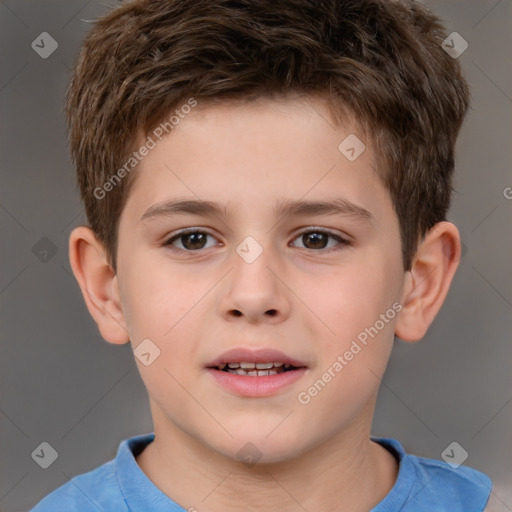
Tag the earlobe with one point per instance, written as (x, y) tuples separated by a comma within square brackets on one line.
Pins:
[(428, 281), (98, 283)]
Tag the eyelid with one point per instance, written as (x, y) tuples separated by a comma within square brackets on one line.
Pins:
[(321, 229), (343, 240)]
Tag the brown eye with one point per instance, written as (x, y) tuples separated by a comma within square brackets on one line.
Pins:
[(190, 241), (316, 240)]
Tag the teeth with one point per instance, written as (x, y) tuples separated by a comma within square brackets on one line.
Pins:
[(255, 373), (264, 366), (248, 366), (254, 369)]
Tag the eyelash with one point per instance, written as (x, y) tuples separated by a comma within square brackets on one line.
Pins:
[(342, 242)]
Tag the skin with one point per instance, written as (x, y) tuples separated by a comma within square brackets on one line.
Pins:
[(307, 301)]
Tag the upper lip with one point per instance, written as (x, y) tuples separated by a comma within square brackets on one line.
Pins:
[(260, 355)]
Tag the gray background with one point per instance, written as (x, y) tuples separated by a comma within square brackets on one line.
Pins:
[(61, 383)]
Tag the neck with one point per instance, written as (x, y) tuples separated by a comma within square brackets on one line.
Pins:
[(346, 472)]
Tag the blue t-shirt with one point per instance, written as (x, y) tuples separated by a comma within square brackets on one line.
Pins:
[(422, 485)]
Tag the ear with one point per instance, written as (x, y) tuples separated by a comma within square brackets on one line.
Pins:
[(427, 283), (98, 283)]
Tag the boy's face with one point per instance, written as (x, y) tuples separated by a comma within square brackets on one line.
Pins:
[(308, 296)]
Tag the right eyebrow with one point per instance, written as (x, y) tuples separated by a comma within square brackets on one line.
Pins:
[(183, 207)]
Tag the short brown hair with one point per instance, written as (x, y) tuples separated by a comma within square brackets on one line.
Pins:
[(380, 60)]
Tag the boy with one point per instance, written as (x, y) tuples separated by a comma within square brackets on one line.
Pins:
[(266, 186)]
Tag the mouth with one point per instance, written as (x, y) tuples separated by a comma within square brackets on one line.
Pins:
[(261, 362), (256, 373)]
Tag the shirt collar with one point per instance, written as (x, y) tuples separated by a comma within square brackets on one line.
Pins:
[(140, 493)]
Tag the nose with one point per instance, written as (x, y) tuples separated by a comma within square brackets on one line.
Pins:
[(255, 291)]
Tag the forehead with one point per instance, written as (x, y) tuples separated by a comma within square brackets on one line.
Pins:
[(261, 151), (292, 122)]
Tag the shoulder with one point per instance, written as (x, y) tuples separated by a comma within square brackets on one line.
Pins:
[(462, 487), (89, 492), (428, 485)]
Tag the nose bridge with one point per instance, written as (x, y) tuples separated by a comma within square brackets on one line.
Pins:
[(254, 290), (252, 260)]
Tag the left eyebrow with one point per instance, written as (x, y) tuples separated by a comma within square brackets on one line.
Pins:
[(336, 206)]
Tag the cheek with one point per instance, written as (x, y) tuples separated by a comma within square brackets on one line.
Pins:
[(356, 305), (166, 309), (153, 303), (352, 361), (160, 310), (351, 297)]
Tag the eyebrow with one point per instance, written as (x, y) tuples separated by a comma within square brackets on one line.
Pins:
[(335, 206)]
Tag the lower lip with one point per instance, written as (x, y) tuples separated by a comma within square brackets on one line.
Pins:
[(265, 385)]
